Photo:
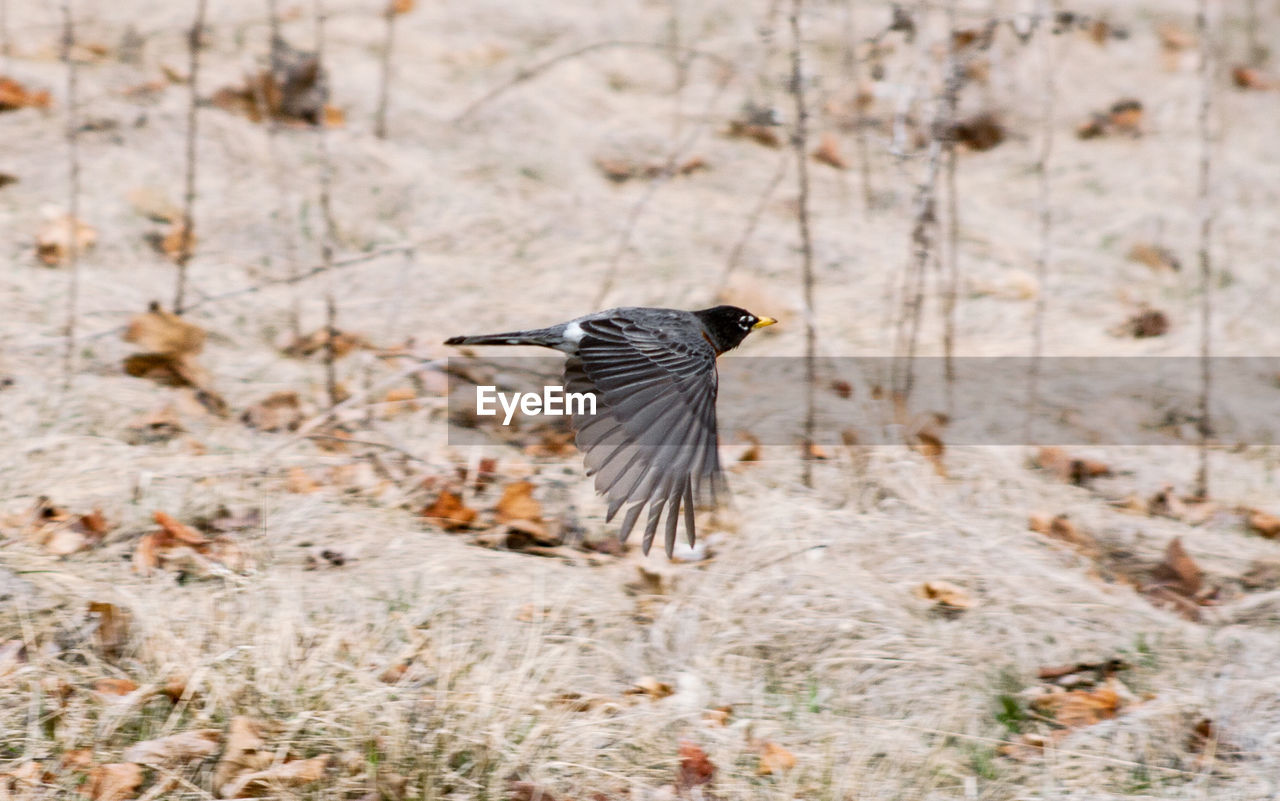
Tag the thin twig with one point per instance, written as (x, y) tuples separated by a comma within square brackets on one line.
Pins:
[(73, 189), (753, 221), (854, 66), (799, 144), (1206, 241), (1048, 98), (326, 217), (951, 283), (5, 45), (384, 85), (189, 191), (285, 219), (528, 73)]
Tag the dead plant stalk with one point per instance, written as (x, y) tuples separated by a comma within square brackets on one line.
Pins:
[(800, 145), (189, 188), (73, 188)]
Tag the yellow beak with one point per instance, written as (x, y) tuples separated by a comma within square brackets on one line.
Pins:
[(763, 321)]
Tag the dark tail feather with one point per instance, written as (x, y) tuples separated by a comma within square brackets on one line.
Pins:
[(511, 338)]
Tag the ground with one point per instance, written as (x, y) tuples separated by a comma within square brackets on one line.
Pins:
[(424, 665)]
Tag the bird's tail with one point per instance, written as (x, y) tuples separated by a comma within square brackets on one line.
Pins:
[(539, 337)]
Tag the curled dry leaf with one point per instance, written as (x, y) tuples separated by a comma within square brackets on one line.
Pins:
[(176, 748), (449, 511), (279, 411), (178, 531), (1060, 528), (1154, 256), (518, 503), (1077, 470), (1263, 523), (114, 781), (828, 152), (14, 95), (650, 687), (107, 688), (945, 595), (774, 759), (695, 768), (981, 132), (246, 752), (295, 90), (112, 632), (172, 243), (57, 237), (1076, 709), (1144, 323), (1178, 571), (318, 342), (1124, 117), (761, 134), (289, 774), (1252, 78), (159, 331)]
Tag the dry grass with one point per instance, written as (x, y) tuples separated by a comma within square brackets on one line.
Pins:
[(805, 620)]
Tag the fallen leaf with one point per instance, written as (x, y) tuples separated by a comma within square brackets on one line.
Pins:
[(1174, 38), (57, 237), (828, 152), (246, 752), (177, 530), (1154, 256), (945, 595), (650, 687), (980, 132), (931, 446), (14, 95), (774, 759), (1068, 468), (449, 511), (1124, 117), (317, 342), (1076, 709), (1145, 323), (1263, 523), (114, 687), (112, 632), (114, 781), (77, 760), (1060, 528), (766, 135), (1251, 78), (289, 774), (518, 503), (171, 244), (621, 170), (400, 6), (159, 331), (176, 748), (295, 90), (695, 768), (279, 411), (1179, 572), (300, 482), (717, 717)]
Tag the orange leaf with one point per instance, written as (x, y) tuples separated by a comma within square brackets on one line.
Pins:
[(774, 759), (179, 531), (695, 767), (828, 152), (115, 781), (450, 511), (14, 95), (1263, 523), (517, 503), (114, 687)]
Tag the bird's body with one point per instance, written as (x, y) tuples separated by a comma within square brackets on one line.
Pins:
[(652, 439)]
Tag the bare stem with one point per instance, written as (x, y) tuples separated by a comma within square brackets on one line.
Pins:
[(327, 241), (384, 85), (800, 145), (854, 67), (189, 190), (1206, 241), (73, 188), (1048, 93), (951, 285), (753, 220)]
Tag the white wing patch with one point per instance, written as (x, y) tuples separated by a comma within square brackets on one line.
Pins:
[(573, 333)]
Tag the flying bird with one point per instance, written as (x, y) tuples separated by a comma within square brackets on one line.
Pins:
[(652, 441)]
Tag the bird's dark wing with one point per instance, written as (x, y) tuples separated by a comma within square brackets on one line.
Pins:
[(652, 440)]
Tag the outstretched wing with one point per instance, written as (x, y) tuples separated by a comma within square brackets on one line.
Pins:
[(652, 440)]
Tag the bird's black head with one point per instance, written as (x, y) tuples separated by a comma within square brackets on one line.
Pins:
[(727, 326)]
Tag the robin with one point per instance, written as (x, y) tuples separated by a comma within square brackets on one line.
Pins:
[(652, 440)]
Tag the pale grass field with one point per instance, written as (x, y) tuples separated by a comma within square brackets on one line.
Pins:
[(805, 621)]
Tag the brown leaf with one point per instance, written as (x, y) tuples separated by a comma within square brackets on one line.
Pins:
[(1060, 528), (295, 90), (289, 774), (945, 595), (828, 152), (449, 511), (299, 482), (14, 95), (1178, 571), (115, 687), (1154, 256), (1251, 78), (58, 236), (176, 748), (317, 342), (112, 633), (1068, 468), (178, 531), (246, 752), (1263, 523), (171, 243), (1145, 323), (115, 781), (146, 554), (650, 687), (931, 446), (1076, 709), (980, 132), (1124, 117), (279, 411), (159, 331), (695, 768), (766, 135), (774, 759), (518, 503)]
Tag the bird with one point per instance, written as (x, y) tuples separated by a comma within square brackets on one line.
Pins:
[(651, 442)]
